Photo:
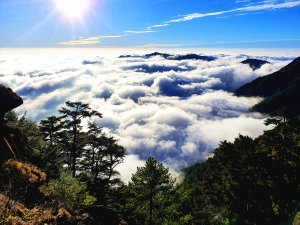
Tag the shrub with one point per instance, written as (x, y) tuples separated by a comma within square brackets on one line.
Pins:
[(23, 171), (68, 192)]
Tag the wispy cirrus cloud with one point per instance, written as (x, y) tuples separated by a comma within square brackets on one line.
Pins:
[(89, 40), (258, 7), (112, 36), (248, 8), (198, 15), (274, 42), (157, 26), (157, 45), (253, 8), (82, 41), (139, 31)]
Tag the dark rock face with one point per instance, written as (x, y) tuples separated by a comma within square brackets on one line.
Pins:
[(11, 140), (11, 144), (255, 63), (8, 100)]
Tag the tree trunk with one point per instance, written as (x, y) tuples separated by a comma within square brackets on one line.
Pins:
[(74, 152), (151, 209)]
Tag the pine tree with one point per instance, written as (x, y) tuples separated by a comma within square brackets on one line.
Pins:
[(151, 188), (100, 157), (73, 115), (52, 154)]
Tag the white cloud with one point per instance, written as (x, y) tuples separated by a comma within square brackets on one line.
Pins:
[(157, 26), (82, 41), (253, 8), (129, 167), (250, 7), (112, 36), (176, 116), (95, 40), (193, 16), (207, 134)]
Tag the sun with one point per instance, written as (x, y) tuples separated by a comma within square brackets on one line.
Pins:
[(72, 9)]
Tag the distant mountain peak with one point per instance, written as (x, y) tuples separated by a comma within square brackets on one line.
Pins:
[(255, 63), (189, 56)]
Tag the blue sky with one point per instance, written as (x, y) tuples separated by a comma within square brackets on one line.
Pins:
[(151, 23)]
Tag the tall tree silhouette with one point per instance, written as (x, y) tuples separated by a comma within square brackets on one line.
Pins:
[(151, 187), (73, 114), (100, 157), (52, 154)]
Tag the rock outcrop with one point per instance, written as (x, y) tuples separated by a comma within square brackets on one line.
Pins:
[(11, 140), (8, 101), (15, 213)]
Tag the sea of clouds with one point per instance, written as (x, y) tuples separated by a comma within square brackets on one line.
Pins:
[(177, 111)]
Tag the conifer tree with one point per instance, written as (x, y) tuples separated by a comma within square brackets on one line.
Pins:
[(73, 115), (150, 190), (52, 154), (100, 157)]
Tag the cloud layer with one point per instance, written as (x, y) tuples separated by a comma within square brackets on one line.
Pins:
[(176, 111)]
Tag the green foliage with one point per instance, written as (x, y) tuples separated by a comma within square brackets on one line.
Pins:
[(32, 138), (296, 220), (72, 115), (59, 142), (249, 181), (89, 154), (69, 192), (151, 195), (8, 217), (102, 154), (53, 154)]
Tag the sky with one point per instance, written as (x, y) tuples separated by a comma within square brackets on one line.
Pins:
[(176, 111), (150, 23)]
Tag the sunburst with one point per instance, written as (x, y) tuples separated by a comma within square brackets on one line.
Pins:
[(72, 9)]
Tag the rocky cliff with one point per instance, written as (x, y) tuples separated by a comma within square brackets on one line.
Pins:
[(10, 139)]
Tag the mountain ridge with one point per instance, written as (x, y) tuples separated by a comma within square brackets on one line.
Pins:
[(280, 89)]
